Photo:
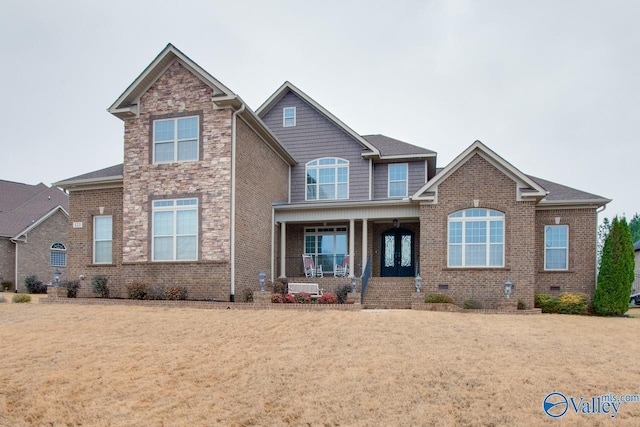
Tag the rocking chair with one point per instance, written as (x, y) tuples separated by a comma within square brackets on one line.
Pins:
[(342, 270), (310, 269)]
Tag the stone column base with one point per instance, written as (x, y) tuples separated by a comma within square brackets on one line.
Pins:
[(354, 297), (508, 305), (261, 298), (56, 292)]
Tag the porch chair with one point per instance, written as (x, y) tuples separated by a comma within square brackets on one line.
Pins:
[(310, 269), (342, 270)]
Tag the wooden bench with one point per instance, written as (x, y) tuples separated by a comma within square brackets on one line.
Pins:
[(310, 288)]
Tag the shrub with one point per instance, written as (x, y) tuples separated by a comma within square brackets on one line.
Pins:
[(137, 290), (176, 293), (616, 275), (342, 292), (565, 303), (34, 286), (99, 286), (279, 288), (277, 298), (521, 305), (472, 304), (72, 288), (303, 298), (328, 298), (438, 298), (156, 292), (2, 299), (289, 299), (21, 298), (6, 284), (545, 302), (247, 295)]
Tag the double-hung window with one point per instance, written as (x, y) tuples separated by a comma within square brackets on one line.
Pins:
[(398, 180), (58, 255), (556, 247), (476, 238), (175, 140), (327, 179), (175, 230), (102, 239), (289, 117)]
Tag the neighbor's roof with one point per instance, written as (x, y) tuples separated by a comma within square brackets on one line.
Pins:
[(23, 206), (391, 147)]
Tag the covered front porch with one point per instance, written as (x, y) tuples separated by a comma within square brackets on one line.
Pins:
[(379, 239)]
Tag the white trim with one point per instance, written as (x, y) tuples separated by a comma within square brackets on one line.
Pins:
[(62, 250), (406, 180), (41, 220), (487, 244), (284, 117), (566, 249), (371, 183), (93, 257), (318, 167), (174, 209)]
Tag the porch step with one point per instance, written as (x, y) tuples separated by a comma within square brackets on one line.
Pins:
[(389, 292)]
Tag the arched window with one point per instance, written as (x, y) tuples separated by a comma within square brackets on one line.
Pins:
[(327, 179), (476, 238), (58, 255)]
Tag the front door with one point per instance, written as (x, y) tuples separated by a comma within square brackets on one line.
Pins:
[(397, 253)]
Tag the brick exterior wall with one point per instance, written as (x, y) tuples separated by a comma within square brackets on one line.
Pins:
[(261, 179), (34, 257), (7, 259), (581, 274), (84, 206), (478, 180)]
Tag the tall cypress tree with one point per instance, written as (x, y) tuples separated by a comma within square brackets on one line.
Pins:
[(616, 271)]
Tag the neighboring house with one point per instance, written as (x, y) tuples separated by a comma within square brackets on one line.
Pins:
[(211, 193), (636, 282), (33, 232)]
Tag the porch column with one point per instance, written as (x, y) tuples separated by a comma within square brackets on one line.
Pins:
[(365, 236), (352, 242), (283, 248)]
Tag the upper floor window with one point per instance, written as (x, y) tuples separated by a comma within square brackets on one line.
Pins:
[(175, 140), (556, 247), (58, 256), (289, 117), (327, 179), (175, 230), (102, 239), (398, 180), (476, 238)]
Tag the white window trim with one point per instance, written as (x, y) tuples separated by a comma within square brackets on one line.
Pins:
[(566, 249), (62, 250), (317, 167), (174, 209), (284, 117), (464, 219), (102, 240), (175, 140), (389, 181), (338, 230)]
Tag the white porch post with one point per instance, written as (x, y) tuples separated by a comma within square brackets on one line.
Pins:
[(283, 248), (365, 236), (352, 242)]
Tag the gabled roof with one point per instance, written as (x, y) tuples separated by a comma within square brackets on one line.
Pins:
[(559, 194), (23, 206), (527, 187), (289, 87), (110, 177), (396, 149), (128, 103)]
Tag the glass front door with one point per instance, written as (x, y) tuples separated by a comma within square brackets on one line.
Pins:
[(397, 253)]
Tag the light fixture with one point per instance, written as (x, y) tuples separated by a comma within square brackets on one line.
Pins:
[(261, 279), (354, 282), (56, 276), (395, 223), (418, 283), (508, 286)]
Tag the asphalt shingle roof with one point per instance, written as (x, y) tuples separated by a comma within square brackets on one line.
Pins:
[(22, 205), (559, 192), (394, 147)]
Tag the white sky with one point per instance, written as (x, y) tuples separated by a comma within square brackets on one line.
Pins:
[(552, 86)]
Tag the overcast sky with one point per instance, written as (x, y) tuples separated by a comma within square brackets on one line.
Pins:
[(551, 86)]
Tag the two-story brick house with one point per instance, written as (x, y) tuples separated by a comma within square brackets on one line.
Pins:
[(211, 193)]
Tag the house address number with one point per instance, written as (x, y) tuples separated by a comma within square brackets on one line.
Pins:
[(77, 224)]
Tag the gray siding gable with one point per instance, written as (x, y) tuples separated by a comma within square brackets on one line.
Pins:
[(314, 137), (416, 172)]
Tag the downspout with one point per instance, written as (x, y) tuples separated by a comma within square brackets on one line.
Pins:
[(232, 249), (15, 266), (273, 241)]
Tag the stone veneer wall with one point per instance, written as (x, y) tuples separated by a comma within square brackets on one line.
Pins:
[(261, 178), (478, 180), (84, 206), (581, 275)]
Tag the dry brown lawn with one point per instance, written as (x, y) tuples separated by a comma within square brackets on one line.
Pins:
[(123, 366)]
